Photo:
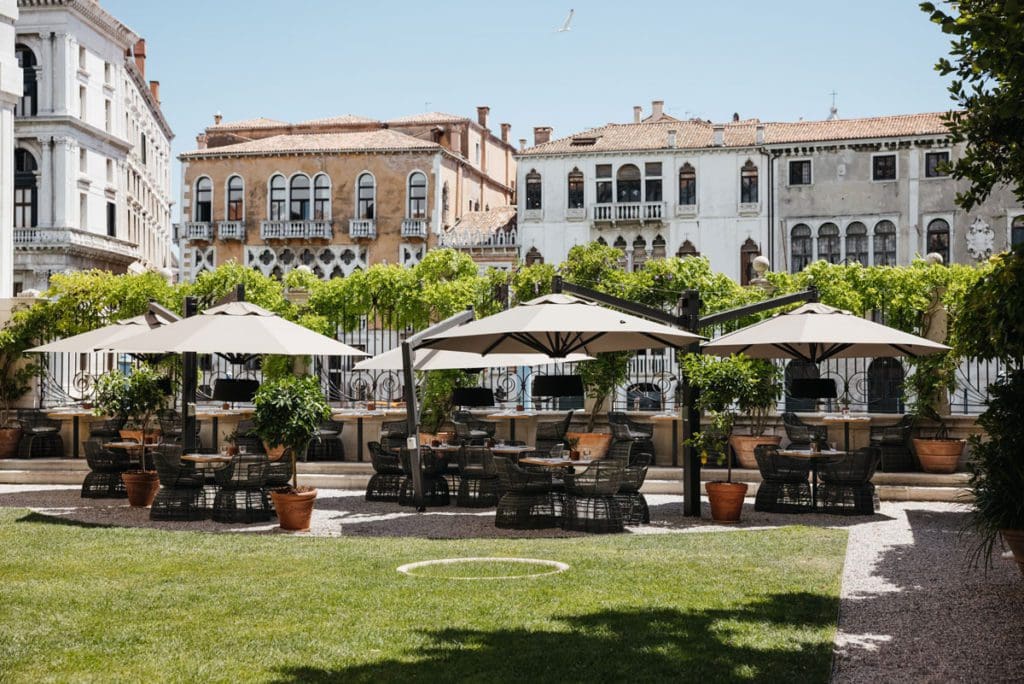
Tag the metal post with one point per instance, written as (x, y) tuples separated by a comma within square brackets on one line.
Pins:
[(689, 415), (412, 422), (188, 388)]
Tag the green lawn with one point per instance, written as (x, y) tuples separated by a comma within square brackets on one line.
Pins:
[(80, 604)]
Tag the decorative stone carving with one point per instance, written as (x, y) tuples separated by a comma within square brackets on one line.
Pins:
[(411, 253), (332, 261), (980, 240)]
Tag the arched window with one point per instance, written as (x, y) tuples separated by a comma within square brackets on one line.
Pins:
[(748, 183), (28, 104), (533, 191), (25, 190), (687, 185), (885, 385), (748, 252), (857, 243), (938, 239), (639, 252), (277, 198), (620, 244), (204, 200), (417, 196), (885, 243), (800, 243), (829, 246), (322, 197), (658, 247), (366, 197), (236, 206), (298, 198), (575, 193), (687, 249), (534, 257), (627, 183), (1017, 232)]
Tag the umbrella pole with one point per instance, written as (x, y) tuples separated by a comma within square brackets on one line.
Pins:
[(412, 422), (689, 416), (188, 389)]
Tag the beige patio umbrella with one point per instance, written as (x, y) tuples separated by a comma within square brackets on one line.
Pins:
[(439, 359), (816, 332), (101, 337), (236, 328), (558, 325)]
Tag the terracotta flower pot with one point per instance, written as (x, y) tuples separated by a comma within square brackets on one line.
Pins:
[(726, 500), (275, 452), (9, 439), (142, 486), (294, 509), (938, 455), (744, 446), (1015, 540)]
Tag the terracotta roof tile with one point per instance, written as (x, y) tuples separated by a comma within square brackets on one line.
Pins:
[(428, 118), (383, 140), (479, 227), (258, 122), (344, 119)]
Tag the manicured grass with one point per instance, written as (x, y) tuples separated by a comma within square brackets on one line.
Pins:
[(96, 604)]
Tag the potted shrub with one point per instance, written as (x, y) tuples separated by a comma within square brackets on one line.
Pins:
[(933, 379), (720, 383), (137, 396), (288, 412), (761, 390), (13, 385), (990, 325)]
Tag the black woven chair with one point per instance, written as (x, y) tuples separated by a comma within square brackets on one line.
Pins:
[(590, 498), (552, 433), (242, 493), (326, 444), (784, 484), (846, 487), (393, 434), (432, 470), (105, 467), (386, 482), (40, 437), (172, 426), (106, 430), (528, 502), (800, 434), (278, 473), (478, 478), (181, 495), (893, 443), (624, 429), (632, 503), (471, 430)]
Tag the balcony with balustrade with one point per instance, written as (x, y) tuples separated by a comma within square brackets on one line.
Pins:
[(414, 228), (75, 242), (296, 230), (196, 231), (231, 230), (365, 229), (629, 212)]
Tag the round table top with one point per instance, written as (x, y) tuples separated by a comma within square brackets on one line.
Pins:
[(664, 416), (511, 448), (511, 415), (804, 453), (350, 414), (849, 418)]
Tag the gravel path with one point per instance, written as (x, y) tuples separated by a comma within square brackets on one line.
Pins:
[(911, 609)]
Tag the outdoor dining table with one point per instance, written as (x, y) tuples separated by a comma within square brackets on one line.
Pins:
[(215, 414), (675, 418), (76, 414), (815, 457), (510, 449), (134, 449), (553, 462), (512, 417), (846, 419), (348, 415)]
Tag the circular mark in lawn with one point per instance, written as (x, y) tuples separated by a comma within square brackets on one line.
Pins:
[(481, 568)]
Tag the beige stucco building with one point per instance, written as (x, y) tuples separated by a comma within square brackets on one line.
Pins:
[(336, 194)]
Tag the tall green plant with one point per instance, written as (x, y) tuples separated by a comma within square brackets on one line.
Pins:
[(436, 396), (601, 376), (136, 396), (288, 411)]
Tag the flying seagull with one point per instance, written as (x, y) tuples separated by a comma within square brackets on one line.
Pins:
[(565, 26)]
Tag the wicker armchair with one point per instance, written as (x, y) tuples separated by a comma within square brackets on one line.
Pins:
[(386, 482), (784, 485), (242, 494), (528, 502), (393, 434), (40, 437), (278, 473), (846, 487), (801, 434), (181, 495), (106, 430), (172, 426), (893, 443), (552, 433), (478, 478), (105, 467), (590, 502), (326, 444), (623, 429), (471, 430), (632, 503), (432, 470)]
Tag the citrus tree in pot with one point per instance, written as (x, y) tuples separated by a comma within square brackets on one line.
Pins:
[(288, 412), (990, 325), (760, 391), (136, 396), (933, 380)]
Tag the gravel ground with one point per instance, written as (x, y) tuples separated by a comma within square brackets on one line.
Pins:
[(911, 608)]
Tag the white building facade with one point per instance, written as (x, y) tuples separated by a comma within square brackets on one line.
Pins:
[(10, 94), (92, 157)]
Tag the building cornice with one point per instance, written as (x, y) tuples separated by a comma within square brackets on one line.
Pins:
[(96, 16), (147, 95), (43, 126), (897, 142)]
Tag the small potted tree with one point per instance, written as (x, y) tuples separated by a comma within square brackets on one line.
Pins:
[(933, 379), (14, 383), (761, 390), (288, 412), (137, 396)]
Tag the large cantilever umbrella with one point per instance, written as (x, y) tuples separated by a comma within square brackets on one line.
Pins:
[(558, 325), (108, 334), (235, 328), (440, 359), (817, 332)]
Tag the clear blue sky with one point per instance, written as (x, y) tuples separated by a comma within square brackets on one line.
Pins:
[(302, 59)]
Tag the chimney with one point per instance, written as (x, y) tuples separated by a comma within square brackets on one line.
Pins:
[(522, 144), (481, 115), (759, 134), (140, 56), (505, 128), (657, 109), (719, 131), (638, 112), (541, 134), (735, 117), (201, 141), (154, 87), (217, 118), (672, 138)]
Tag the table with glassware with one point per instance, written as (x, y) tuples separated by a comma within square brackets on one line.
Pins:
[(358, 416), (512, 416), (846, 418), (75, 414), (815, 457)]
